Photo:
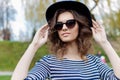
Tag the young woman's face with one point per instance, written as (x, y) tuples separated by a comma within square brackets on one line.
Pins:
[(67, 32)]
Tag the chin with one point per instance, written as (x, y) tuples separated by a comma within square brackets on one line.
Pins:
[(67, 40)]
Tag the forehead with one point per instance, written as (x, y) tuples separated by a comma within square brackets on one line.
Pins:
[(65, 16)]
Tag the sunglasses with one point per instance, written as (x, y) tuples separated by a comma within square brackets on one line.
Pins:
[(69, 23)]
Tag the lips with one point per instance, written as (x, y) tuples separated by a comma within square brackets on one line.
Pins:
[(65, 34)]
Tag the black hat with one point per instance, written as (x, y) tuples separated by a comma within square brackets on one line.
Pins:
[(79, 7)]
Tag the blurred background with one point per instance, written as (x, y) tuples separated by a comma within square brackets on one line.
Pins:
[(20, 19)]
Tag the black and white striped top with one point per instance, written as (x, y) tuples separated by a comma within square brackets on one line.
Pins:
[(49, 67)]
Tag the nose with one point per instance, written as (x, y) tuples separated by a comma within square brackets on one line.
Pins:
[(64, 28)]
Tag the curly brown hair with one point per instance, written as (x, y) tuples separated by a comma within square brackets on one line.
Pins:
[(58, 47)]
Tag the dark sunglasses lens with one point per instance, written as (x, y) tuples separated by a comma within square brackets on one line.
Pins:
[(70, 23), (58, 25)]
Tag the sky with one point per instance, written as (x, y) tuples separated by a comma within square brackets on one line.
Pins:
[(18, 27)]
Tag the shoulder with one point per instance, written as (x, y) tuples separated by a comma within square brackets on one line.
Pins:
[(92, 57), (48, 58)]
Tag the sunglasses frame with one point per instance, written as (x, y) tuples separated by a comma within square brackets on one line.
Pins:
[(69, 24)]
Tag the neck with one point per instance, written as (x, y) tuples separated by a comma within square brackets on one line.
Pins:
[(72, 52)]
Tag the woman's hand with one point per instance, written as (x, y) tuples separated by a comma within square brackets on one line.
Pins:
[(98, 33), (41, 36)]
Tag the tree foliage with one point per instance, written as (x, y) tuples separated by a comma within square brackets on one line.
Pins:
[(35, 12), (7, 14), (112, 20)]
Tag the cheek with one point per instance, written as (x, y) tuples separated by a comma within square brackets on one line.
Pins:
[(76, 31), (59, 34), (75, 34)]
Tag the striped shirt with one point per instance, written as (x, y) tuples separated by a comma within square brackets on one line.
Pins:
[(49, 67)]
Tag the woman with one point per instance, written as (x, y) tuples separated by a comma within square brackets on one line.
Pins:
[(69, 30)]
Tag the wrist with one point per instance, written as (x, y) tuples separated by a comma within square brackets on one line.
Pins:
[(105, 44), (33, 46)]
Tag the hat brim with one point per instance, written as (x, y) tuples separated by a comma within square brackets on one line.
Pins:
[(80, 8)]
